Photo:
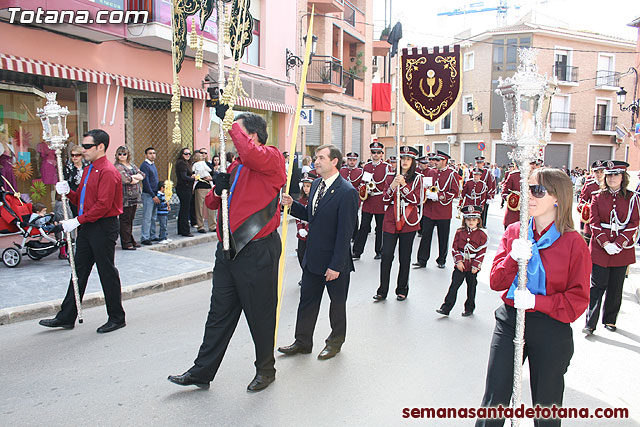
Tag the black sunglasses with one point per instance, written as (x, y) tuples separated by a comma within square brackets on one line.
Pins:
[(88, 146), (538, 191), (186, 154), (376, 152)]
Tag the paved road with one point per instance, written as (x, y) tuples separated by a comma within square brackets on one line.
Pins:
[(397, 355)]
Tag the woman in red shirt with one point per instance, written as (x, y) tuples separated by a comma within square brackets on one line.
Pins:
[(614, 228), (409, 183), (557, 294)]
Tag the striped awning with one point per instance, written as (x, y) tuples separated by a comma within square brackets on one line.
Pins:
[(260, 104), (158, 87), (50, 69)]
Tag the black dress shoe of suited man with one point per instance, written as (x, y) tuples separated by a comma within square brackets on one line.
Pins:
[(188, 379), (55, 323), (419, 265), (110, 327), (294, 348), (260, 382), (328, 352)]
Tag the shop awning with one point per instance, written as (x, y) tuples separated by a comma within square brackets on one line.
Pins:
[(158, 87), (265, 105), (50, 69)]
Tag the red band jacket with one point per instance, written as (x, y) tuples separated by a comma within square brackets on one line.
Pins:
[(469, 246), (474, 193), (447, 182), (410, 196), (374, 203), (354, 176), (512, 183), (614, 219), (488, 178), (590, 188)]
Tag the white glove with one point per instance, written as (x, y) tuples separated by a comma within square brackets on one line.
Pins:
[(62, 187), (432, 196), (71, 224), (612, 248), (521, 249), (302, 232), (523, 299)]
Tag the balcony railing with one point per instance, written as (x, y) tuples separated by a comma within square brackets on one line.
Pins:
[(350, 14), (563, 120), (142, 5), (565, 73), (607, 78), (349, 83), (325, 69), (605, 123)]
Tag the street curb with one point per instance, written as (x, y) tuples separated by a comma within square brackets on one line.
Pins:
[(48, 308), (184, 243)]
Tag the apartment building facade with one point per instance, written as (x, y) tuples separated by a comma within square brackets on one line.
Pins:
[(589, 69), (338, 84)]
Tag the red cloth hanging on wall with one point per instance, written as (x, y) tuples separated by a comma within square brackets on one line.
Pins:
[(381, 97)]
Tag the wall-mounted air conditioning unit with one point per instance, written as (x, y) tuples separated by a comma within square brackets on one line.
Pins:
[(452, 139)]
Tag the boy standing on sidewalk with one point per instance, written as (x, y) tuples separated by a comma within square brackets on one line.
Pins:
[(162, 213)]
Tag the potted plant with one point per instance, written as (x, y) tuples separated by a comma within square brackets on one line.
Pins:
[(358, 68), (325, 74), (384, 35)]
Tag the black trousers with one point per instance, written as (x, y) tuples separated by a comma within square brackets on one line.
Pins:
[(456, 281), (485, 213), (302, 247), (424, 250), (96, 244), (126, 224), (363, 232), (389, 241), (549, 348), (355, 230), (247, 283), (611, 281), (310, 297), (184, 194)]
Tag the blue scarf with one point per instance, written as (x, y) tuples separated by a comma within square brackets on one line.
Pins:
[(536, 275)]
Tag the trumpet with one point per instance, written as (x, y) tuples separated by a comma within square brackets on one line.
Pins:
[(364, 190), (433, 189), (371, 186)]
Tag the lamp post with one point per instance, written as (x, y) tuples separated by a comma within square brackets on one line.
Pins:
[(55, 133), (527, 101), (622, 97)]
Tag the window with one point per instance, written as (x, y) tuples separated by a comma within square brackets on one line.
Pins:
[(252, 53), (512, 54), (467, 104), (498, 54), (445, 124), (606, 75), (429, 128), (468, 61)]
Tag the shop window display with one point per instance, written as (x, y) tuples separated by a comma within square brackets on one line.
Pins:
[(26, 163)]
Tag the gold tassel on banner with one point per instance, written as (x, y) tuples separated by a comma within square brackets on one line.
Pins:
[(200, 52), (193, 37)]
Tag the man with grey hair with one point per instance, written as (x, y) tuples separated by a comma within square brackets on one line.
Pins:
[(331, 213)]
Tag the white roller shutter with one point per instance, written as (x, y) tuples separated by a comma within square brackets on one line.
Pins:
[(314, 134), (356, 135), (337, 131)]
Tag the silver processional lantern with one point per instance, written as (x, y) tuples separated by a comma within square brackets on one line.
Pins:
[(55, 133), (527, 101)]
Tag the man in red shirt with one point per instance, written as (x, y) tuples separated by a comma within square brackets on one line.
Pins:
[(99, 201), (245, 278)]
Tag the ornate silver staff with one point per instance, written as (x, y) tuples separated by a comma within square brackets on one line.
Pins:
[(527, 100), (55, 133), (223, 154)]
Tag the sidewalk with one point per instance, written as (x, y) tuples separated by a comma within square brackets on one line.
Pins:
[(35, 289)]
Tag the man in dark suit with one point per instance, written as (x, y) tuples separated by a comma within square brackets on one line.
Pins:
[(331, 213)]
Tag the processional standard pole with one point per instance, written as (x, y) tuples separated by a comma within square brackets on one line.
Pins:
[(527, 98)]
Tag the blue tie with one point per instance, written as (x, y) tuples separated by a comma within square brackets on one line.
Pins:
[(84, 190)]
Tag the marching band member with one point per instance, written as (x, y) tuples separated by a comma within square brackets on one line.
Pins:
[(614, 224), (591, 187), (352, 173), (488, 178), (475, 191), (511, 194), (557, 294), (469, 246), (371, 190), (403, 228), (393, 162), (301, 225), (437, 210), (423, 163)]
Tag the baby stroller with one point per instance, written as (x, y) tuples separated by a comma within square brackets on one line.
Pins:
[(14, 220)]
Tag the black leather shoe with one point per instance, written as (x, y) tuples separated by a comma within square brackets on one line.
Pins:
[(587, 330), (260, 382), (55, 323), (147, 242), (419, 265), (355, 257), (188, 379), (203, 231), (379, 297), (467, 313), (441, 311), (378, 256), (440, 265), (110, 327), (328, 352), (186, 235), (611, 328), (401, 297), (294, 348)]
